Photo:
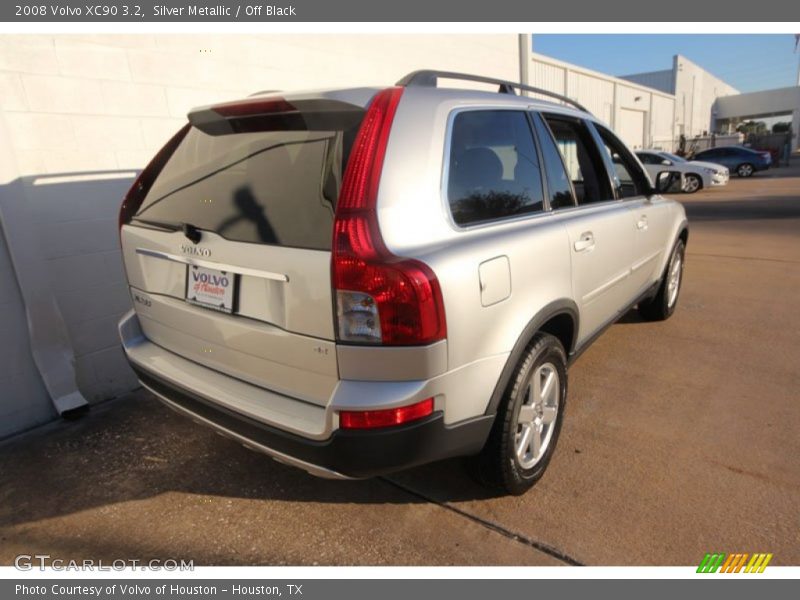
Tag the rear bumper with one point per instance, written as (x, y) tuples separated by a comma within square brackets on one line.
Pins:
[(298, 433), (345, 454)]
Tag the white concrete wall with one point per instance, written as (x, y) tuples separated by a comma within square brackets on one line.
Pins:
[(762, 104), (607, 97), (23, 398), (696, 91), (85, 112)]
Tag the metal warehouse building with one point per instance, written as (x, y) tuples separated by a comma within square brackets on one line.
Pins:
[(695, 90), (643, 116), (652, 109)]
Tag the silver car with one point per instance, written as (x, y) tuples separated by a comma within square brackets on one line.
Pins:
[(358, 281), (697, 175)]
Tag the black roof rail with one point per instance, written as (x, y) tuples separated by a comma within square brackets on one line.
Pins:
[(428, 78)]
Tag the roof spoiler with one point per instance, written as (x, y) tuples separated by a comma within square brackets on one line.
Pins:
[(274, 113)]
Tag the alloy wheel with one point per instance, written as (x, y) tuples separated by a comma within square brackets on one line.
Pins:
[(674, 279), (537, 415), (691, 185)]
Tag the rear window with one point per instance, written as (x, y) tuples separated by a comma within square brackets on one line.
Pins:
[(267, 187)]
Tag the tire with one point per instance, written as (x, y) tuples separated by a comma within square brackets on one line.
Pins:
[(662, 305), (745, 170), (504, 464), (692, 183)]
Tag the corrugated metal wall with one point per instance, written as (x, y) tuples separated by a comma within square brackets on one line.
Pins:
[(595, 93), (663, 122), (641, 116)]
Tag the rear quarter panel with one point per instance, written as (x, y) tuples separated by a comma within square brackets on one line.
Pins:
[(415, 222)]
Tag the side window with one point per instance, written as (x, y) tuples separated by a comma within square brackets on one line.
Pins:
[(584, 163), (628, 177), (649, 159), (494, 168), (558, 183)]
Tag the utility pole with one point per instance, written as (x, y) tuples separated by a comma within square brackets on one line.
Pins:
[(796, 44)]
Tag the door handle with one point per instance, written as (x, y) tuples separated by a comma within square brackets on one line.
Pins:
[(641, 224), (586, 242)]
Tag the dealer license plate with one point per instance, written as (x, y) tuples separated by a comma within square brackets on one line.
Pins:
[(210, 288)]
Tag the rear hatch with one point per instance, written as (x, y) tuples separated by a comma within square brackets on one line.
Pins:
[(229, 253)]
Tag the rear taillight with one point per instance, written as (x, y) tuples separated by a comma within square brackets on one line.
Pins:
[(135, 196), (371, 419), (380, 298)]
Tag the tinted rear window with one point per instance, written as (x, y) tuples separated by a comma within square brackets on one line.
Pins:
[(266, 187), (494, 168)]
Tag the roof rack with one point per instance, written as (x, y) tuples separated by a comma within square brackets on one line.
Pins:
[(428, 78)]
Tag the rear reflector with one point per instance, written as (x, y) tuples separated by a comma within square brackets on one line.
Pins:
[(371, 419)]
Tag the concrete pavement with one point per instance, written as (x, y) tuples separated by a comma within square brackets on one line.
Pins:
[(680, 438)]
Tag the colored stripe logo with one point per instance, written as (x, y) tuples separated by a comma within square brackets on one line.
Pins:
[(734, 563)]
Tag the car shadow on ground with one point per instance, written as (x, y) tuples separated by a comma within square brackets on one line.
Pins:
[(630, 317), (135, 448), (764, 207)]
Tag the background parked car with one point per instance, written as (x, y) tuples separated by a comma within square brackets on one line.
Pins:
[(742, 161), (696, 174)]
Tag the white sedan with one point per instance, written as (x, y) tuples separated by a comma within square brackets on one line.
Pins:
[(696, 175)]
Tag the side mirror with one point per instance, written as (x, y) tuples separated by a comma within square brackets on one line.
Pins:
[(667, 180), (666, 162)]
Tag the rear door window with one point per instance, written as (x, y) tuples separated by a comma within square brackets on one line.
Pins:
[(650, 159), (559, 188), (629, 179), (494, 170), (584, 163), (276, 187)]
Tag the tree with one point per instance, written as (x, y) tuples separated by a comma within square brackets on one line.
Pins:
[(749, 127)]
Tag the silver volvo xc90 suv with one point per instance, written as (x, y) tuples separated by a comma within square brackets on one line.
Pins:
[(358, 281)]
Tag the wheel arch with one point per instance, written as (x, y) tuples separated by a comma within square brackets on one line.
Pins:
[(683, 233), (559, 318)]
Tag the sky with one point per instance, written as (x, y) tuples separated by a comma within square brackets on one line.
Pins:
[(747, 62)]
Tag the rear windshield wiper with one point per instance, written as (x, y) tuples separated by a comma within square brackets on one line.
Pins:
[(192, 232)]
